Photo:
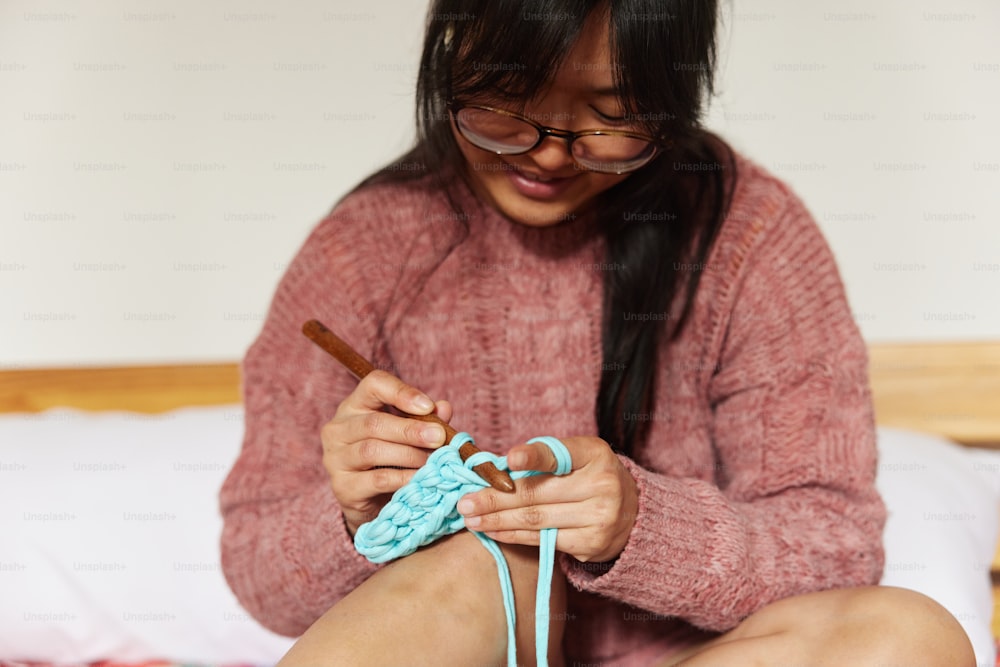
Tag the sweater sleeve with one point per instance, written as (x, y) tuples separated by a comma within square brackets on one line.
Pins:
[(286, 552), (793, 506)]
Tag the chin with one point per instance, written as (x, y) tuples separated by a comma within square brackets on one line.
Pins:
[(490, 179), (528, 211), (540, 216)]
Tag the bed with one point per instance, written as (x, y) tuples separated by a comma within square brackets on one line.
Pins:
[(108, 482)]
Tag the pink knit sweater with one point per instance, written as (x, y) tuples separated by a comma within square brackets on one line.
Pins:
[(757, 481)]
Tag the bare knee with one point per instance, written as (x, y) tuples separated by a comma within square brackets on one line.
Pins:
[(437, 604), (876, 626), (437, 574), (452, 565), (912, 628)]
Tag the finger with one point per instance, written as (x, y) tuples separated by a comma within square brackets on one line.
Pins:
[(385, 480), (370, 454), (540, 490), (577, 542), (533, 518), (392, 428), (379, 388), (530, 538), (444, 410), (532, 456)]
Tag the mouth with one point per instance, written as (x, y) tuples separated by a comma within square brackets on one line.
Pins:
[(538, 186), (536, 177)]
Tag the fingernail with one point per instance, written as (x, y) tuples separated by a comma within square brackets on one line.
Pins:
[(423, 403), (431, 434), (465, 506), (472, 521), (518, 460)]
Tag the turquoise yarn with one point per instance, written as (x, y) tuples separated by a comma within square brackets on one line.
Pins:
[(425, 509)]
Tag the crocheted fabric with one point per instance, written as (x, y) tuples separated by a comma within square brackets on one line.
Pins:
[(425, 509)]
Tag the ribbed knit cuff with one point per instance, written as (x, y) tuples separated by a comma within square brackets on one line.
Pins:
[(676, 541), (324, 530)]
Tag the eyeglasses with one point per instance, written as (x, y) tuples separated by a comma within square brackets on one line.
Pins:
[(507, 133)]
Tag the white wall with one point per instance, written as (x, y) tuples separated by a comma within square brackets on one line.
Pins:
[(885, 116), (161, 162)]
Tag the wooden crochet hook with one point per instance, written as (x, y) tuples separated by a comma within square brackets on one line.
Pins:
[(317, 332)]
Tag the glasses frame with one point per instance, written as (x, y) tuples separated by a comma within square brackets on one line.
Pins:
[(567, 135)]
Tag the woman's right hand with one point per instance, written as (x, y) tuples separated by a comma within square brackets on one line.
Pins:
[(369, 453)]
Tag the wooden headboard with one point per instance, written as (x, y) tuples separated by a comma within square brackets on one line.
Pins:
[(951, 389), (148, 389)]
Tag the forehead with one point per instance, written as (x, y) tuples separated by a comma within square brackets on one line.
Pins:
[(588, 65)]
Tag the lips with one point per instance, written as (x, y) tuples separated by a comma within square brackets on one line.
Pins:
[(535, 177), (537, 186)]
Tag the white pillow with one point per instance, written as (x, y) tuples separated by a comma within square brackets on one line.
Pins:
[(941, 534), (110, 532), (110, 539)]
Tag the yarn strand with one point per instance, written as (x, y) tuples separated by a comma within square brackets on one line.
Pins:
[(425, 509)]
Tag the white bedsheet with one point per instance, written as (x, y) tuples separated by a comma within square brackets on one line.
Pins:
[(110, 530), (111, 539)]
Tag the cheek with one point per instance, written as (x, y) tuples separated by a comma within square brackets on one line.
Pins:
[(473, 156), (482, 167)]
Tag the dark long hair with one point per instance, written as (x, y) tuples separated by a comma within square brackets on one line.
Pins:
[(663, 216)]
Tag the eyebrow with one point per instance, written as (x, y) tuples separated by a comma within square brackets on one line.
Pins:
[(607, 91)]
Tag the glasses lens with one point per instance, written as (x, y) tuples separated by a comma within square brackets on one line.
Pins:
[(612, 153), (496, 132)]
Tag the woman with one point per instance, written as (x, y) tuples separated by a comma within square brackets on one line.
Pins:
[(566, 252)]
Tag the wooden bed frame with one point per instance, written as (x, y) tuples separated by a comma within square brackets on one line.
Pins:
[(950, 389)]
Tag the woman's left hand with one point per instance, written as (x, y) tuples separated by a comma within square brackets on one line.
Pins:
[(594, 506)]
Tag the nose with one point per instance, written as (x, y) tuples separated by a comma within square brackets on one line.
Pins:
[(552, 154)]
